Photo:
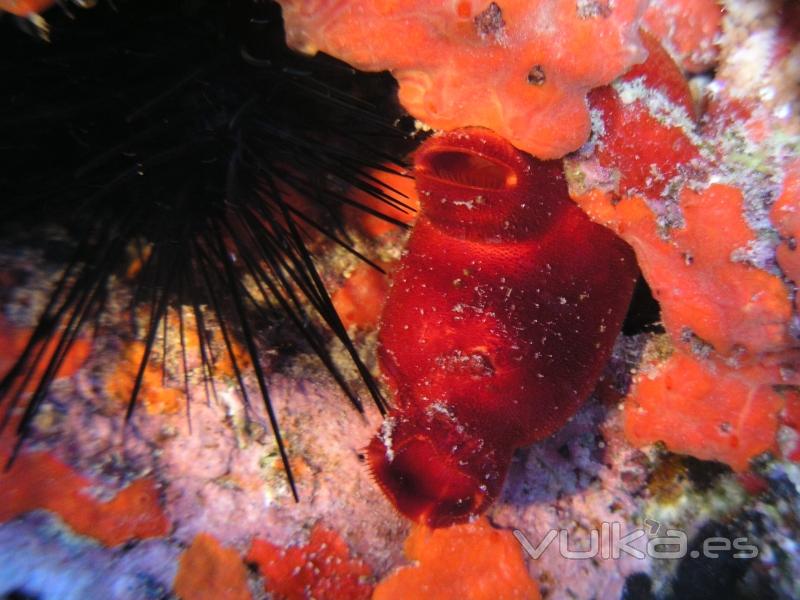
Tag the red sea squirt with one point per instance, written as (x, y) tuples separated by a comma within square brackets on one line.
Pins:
[(499, 321)]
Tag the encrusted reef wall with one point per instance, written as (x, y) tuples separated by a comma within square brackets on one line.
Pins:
[(692, 157)]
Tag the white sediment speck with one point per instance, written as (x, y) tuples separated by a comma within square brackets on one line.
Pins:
[(386, 436)]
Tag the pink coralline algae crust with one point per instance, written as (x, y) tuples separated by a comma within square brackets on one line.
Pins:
[(583, 475), (709, 207), (519, 67)]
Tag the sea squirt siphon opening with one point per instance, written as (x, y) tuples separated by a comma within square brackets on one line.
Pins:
[(468, 169)]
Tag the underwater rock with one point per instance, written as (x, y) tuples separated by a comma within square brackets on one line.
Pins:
[(39, 559), (699, 175)]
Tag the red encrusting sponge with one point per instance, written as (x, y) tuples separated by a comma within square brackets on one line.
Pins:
[(499, 321)]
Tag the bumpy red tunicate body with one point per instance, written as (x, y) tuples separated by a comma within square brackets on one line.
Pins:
[(499, 321)]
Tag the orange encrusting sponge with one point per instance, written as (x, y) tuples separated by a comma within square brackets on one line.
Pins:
[(40, 481), (705, 409), (727, 310), (689, 29), (519, 67), (156, 397), (472, 561), (401, 202), (209, 571), (321, 569), (360, 298), (12, 344)]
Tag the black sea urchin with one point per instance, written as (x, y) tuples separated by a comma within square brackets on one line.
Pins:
[(184, 133)]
